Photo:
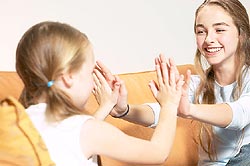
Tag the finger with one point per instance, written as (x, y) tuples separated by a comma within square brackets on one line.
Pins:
[(116, 88), (162, 59), (117, 78), (172, 63), (102, 67), (105, 71), (172, 81), (96, 81), (154, 88), (165, 60), (101, 79), (159, 74), (164, 71), (187, 79), (157, 61), (123, 89), (180, 83)]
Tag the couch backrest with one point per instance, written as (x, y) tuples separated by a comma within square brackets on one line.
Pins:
[(10, 85)]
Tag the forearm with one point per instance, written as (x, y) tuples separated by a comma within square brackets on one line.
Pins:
[(166, 129), (140, 114), (215, 114), (102, 112)]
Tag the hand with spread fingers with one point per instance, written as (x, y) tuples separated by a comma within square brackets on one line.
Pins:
[(121, 105), (105, 96), (184, 105), (169, 87)]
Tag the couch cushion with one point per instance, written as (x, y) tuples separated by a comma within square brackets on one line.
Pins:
[(20, 142), (10, 84)]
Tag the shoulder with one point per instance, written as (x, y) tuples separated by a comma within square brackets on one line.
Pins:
[(246, 78), (246, 74), (94, 126)]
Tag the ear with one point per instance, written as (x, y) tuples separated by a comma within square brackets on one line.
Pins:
[(67, 79)]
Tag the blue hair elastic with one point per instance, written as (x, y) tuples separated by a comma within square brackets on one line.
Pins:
[(50, 83)]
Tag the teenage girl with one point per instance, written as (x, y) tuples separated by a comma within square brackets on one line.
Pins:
[(220, 93)]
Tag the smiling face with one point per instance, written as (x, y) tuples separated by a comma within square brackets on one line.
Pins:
[(217, 36)]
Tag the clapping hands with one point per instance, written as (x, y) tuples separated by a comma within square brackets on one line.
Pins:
[(169, 87)]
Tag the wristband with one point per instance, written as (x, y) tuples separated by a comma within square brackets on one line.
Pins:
[(124, 114)]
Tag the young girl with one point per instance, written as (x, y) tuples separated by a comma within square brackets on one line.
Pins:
[(221, 91), (56, 63)]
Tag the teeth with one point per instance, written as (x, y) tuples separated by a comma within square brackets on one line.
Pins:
[(213, 49)]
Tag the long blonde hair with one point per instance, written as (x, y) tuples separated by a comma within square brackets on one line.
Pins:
[(206, 87), (44, 52)]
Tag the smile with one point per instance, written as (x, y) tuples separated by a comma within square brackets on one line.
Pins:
[(212, 50)]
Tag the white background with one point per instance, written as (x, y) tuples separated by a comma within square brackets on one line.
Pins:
[(127, 34)]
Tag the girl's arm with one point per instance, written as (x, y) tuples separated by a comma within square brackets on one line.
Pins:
[(104, 139), (101, 138), (232, 115), (105, 96), (141, 114), (215, 114)]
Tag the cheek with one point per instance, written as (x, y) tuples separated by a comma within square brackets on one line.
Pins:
[(224, 39), (230, 43), (199, 42)]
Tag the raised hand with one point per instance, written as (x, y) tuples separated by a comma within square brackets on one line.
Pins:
[(169, 62), (121, 104), (184, 105), (169, 88), (110, 78), (105, 96)]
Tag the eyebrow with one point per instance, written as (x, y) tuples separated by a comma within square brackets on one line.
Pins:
[(216, 24)]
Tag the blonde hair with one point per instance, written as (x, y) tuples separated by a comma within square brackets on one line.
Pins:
[(206, 87), (44, 52)]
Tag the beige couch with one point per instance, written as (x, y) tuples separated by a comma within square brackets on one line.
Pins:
[(184, 151)]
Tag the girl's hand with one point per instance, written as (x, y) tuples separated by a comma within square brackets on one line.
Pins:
[(105, 96), (169, 62), (184, 106), (121, 104), (168, 90)]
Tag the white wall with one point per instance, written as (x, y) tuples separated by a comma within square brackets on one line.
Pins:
[(126, 34)]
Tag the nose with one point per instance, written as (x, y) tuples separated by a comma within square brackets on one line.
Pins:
[(210, 38)]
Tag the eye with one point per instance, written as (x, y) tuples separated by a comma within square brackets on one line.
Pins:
[(200, 32), (220, 30)]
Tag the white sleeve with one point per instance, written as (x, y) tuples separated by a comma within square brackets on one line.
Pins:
[(156, 110), (241, 112)]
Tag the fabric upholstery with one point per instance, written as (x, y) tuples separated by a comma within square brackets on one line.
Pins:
[(20, 142)]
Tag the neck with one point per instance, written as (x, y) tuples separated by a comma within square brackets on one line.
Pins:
[(225, 75)]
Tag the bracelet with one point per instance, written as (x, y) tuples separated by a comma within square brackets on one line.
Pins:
[(124, 114)]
